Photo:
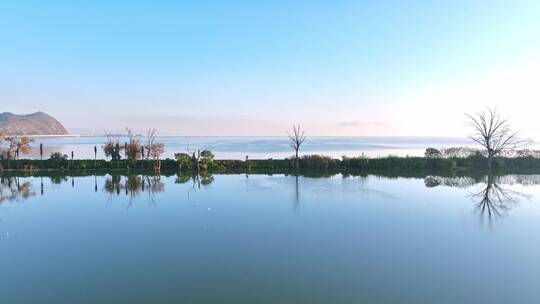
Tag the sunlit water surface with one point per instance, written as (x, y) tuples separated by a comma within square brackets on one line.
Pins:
[(269, 239)]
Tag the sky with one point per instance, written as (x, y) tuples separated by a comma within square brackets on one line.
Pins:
[(377, 68)]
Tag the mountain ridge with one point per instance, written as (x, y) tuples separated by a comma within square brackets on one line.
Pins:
[(37, 123)]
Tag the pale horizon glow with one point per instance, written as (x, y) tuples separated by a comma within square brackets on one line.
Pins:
[(343, 68)]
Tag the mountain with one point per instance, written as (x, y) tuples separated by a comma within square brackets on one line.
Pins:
[(38, 123)]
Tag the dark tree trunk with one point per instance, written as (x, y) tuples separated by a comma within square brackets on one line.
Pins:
[(490, 161), (296, 162)]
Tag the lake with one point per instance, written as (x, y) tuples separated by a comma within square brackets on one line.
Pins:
[(260, 147), (269, 239)]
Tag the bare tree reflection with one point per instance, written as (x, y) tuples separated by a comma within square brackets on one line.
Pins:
[(112, 184), (133, 186), (494, 200), (12, 190), (296, 193)]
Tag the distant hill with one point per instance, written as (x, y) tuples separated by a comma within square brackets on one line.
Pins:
[(38, 123)]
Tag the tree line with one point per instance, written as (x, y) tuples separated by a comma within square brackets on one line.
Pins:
[(134, 148)]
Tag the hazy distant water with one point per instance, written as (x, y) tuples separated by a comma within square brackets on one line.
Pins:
[(263, 147)]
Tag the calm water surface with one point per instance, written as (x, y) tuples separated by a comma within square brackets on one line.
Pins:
[(260, 147), (270, 239)]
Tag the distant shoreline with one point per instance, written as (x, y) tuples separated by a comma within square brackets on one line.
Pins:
[(44, 135)]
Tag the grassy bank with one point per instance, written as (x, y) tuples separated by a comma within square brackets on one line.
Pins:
[(306, 163)]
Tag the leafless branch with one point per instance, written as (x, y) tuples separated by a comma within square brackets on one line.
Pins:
[(493, 132)]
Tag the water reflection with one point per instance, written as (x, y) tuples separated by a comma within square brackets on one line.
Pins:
[(58, 179), (495, 198), (13, 190), (234, 235), (133, 186), (197, 180), (296, 193), (455, 182)]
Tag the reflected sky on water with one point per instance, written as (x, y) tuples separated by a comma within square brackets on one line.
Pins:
[(269, 239)]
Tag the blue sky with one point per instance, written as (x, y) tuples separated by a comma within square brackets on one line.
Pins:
[(254, 67)]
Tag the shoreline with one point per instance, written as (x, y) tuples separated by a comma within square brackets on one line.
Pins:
[(313, 163), (49, 136)]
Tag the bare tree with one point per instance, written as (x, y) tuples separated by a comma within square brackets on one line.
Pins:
[(157, 150), (493, 133), (195, 158), (153, 150), (18, 145), (151, 135), (296, 140), (133, 146)]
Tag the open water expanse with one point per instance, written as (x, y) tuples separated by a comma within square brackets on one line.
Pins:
[(260, 147), (269, 239)]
